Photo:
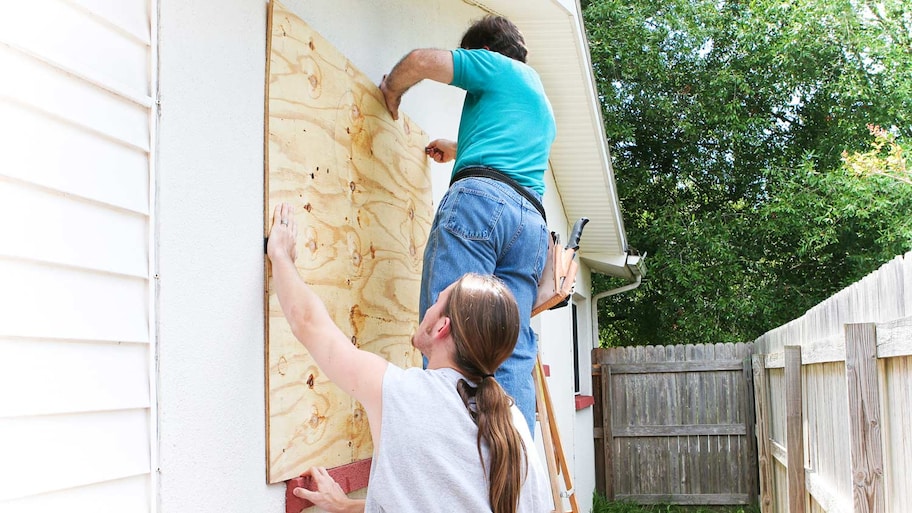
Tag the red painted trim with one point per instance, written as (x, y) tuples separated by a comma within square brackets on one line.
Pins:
[(583, 401), (350, 477), (547, 370)]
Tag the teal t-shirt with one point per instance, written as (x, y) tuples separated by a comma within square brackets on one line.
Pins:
[(507, 122)]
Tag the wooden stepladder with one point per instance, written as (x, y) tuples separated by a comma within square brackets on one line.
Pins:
[(554, 451), (554, 290)]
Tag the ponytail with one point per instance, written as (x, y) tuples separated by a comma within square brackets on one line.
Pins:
[(485, 322)]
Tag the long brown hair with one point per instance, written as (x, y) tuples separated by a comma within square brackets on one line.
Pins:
[(485, 325)]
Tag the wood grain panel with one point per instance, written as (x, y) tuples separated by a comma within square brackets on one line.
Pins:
[(865, 418), (361, 190), (794, 430)]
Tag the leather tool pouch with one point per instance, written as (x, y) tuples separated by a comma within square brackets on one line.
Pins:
[(558, 278)]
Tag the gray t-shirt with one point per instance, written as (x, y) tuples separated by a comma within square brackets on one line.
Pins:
[(427, 460)]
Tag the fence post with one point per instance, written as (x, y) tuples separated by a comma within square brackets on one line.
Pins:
[(794, 429), (599, 430), (607, 433), (761, 400), (864, 418), (750, 427)]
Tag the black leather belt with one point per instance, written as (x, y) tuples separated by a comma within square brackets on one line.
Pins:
[(489, 172)]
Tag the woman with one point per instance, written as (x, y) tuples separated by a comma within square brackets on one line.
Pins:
[(446, 438)]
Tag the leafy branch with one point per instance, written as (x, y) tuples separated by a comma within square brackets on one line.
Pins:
[(885, 158)]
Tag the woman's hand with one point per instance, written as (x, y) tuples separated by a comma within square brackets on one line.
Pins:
[(283, 235), (328, 495)]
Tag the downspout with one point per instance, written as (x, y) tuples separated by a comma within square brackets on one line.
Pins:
[(607, 293)]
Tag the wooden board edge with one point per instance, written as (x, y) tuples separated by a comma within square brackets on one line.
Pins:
[(266, 268)]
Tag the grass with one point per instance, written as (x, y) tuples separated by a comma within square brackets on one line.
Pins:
[(603, 505)]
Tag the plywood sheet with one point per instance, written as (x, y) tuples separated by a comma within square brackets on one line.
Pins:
[(360, 186)]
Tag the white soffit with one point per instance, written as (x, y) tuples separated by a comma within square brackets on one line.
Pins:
[(579, 157)]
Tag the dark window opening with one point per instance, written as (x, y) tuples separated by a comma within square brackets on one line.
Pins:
[(576, 358)]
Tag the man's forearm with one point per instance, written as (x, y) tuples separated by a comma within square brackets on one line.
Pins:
[(418, 65), (402, 77)]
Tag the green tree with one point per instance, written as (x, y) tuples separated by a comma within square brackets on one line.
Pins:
[(728, 121)]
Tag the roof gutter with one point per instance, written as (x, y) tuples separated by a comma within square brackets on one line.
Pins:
[(638, 271)]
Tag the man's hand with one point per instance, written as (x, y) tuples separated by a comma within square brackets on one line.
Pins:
[(328, 495), (417, 65), (283, 234), (441, 150)]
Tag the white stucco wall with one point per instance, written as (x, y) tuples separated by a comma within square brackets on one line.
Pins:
[(581, 433), (210, 224)]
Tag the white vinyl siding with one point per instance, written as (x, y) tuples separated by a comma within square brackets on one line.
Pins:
[(76, 296)]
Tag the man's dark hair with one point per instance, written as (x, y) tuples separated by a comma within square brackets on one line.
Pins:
[(497, 34)]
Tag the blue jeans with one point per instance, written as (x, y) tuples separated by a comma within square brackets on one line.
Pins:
[(484, 226)]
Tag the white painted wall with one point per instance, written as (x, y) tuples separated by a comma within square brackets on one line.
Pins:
[(210, 222), (583, 449)]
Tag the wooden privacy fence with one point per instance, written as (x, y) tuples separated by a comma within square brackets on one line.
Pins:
[(834, 401), (674, 424)]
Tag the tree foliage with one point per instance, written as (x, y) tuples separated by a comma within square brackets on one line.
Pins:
[(729, 122), (886, 158)]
